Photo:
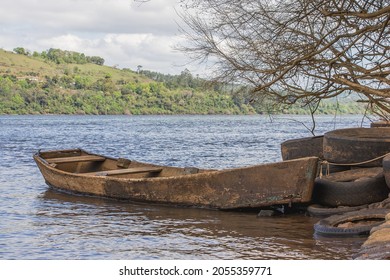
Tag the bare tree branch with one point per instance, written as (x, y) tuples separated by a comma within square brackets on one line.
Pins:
[(295, 49)]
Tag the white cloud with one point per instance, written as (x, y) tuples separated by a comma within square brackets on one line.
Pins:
[(123, 32)]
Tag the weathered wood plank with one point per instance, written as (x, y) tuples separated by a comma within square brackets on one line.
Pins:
[(133, 170), (75, 159)]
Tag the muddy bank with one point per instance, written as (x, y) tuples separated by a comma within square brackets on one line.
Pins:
[(377, 246)]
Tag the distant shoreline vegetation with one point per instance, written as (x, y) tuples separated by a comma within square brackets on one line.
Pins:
[(65, 82)]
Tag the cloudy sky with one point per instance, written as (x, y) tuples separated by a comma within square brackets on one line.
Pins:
[(125, 33)]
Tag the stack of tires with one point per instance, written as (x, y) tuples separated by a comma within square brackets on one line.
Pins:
[(359, 172), (362, 150)]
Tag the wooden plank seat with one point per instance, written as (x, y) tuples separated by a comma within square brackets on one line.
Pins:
[(133, 170), (75, 159)]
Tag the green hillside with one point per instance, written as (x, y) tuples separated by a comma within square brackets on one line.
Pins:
[(31, 67), (64, 82)]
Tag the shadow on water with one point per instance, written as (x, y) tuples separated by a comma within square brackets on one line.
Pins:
[(144, 231)]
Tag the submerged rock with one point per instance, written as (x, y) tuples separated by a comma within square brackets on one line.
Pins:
[(266, 213)]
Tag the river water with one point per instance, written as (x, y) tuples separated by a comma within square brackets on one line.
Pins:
[(39, 223)]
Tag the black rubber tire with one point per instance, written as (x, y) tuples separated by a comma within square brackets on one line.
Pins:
[(316, 210), (355, 145), (329, 226), (351, 188), (386, 169)]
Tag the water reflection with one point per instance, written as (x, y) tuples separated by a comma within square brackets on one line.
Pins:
[(96, 227)]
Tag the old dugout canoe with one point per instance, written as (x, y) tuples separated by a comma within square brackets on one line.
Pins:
[(255, 186)]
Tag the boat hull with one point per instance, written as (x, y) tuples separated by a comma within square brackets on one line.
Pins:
[(248, 187)]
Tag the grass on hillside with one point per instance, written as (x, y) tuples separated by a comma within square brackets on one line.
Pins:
[(23, 66)]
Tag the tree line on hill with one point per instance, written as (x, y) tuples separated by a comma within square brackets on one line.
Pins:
[(80, 92), (62, 56)]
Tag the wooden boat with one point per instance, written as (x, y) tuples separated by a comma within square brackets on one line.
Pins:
[(308, 147), (302, 147), (248, 187)]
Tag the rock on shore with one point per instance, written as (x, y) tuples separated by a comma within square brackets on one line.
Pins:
[(377, 246)]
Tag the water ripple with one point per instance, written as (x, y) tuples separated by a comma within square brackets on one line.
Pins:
[(37, 223)]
